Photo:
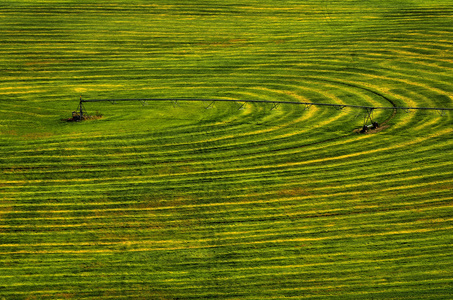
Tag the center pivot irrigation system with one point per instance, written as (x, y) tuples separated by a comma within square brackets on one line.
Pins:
[(81, 114)]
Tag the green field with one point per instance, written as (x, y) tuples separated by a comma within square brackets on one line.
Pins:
[(177, 201)]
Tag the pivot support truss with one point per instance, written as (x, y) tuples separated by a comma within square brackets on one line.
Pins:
[(368, 116)]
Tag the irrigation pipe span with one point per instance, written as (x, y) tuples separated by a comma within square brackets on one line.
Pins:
[(339, 106)]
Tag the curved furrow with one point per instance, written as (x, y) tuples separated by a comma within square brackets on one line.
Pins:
[(221, 173)]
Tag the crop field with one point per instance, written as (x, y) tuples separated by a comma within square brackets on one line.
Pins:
[(189, 200)]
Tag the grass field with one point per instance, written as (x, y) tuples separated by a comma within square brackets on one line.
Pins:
[(166, 201)]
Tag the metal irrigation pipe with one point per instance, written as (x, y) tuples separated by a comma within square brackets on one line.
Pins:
[(340, 106)]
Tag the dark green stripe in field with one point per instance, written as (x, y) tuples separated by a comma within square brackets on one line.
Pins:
[(185, 201)]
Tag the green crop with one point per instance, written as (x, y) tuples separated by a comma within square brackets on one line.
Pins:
[(184, 201)]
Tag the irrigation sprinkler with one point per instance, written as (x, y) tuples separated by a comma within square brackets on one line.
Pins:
[(241, 106), (210, 105), (275, 105), (441, 112)]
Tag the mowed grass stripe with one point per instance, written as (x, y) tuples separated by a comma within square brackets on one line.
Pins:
[(254, 234), (445, 131), (274, 190), (334, 215), (154, 223), (332, 280), (275, 167), (193, 168), (348, 264), (316, 200), (440, 208), (284, 263), (425, 241), (262, 274), (430, 188), (310, 267), (352, 282), (287, 193), (356, 209), (293, 209), (388, 185), (441, 292)]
